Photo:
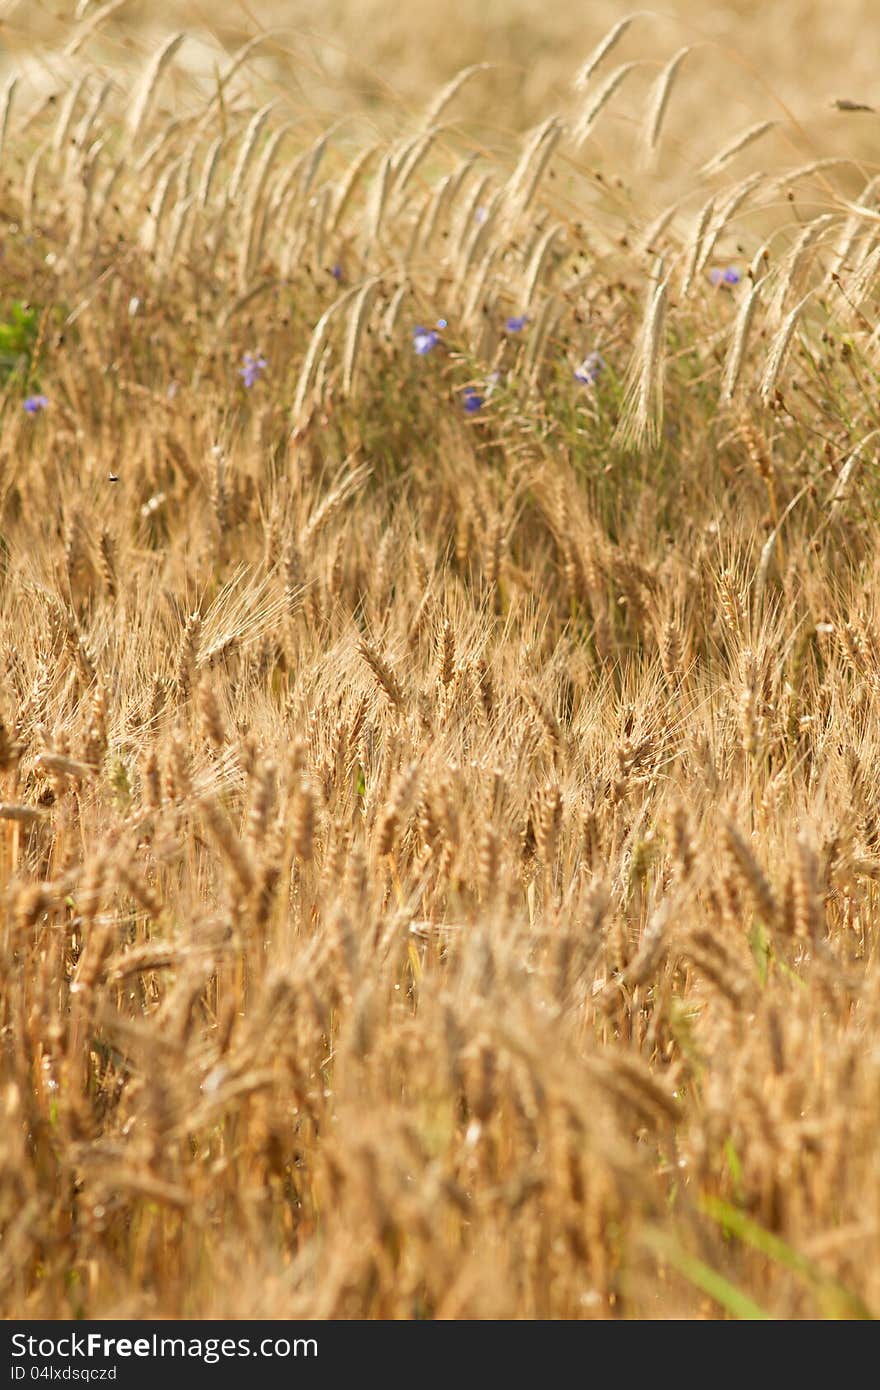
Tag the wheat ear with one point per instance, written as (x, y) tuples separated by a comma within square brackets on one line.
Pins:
[(735, 147), (150, 81), (659, 102), (601, 51)]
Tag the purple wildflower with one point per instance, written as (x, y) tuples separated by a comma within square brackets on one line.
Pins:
[(726, 276), (517, 323), (473, 401), (424, 339), (34, 404), (254, 366), (336, 272), (590, 370)]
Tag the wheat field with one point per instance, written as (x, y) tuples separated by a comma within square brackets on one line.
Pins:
[(440, 663)]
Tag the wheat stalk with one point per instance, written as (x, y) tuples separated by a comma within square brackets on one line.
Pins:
[(601, 51), (82, 35), (377, 201), (726, 213), (357, 317), (733, 363), (583, 126), (7, 97), (349, 184), (788, 269), (537, 154), (643, 402), (779, 348), (843, 481), (697, 242), (449, 92), (143, 101), (729, 152), (66, 113), (538, 263), (246, 150), (316, 345), (659, 102)]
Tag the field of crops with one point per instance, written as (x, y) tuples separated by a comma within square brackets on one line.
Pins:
[(439, 661)]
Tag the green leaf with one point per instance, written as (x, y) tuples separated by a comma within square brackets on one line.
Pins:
[(835, 1300), (759, 941), (703, 1277)]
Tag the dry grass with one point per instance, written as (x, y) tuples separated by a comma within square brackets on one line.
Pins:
[(440, 847)]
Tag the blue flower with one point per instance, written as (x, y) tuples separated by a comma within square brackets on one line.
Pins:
[(34, 404), (727, 276), (590, 370), (254, 366), (336, 272), (473, 401), (517, 323), (424, 339)]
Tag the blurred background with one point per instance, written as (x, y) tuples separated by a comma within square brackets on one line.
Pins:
[(378, 62), (364, 74)]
